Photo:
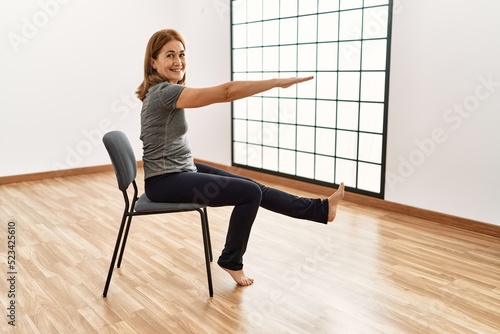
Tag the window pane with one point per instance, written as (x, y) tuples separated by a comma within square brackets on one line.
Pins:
[(326, 114), (327, 85), (305, 165), (287, 136), (373, 86), (240, 108), (348, 4), (240, 153), (347, 144), (348, 86), (271, 9), (305, 138), (271, 58), (270, 134), (240, 36), (239, 60), (254, 34), (306, 57), (239, 10), (288, 111), (254, 108), (307, 28), (271, 33), (308, 7), (254, 132), (270, 158), (325, 141), (350, 25), (328, 5), (254, 10), (374, 55), (349, 55), (327, 56), (369, 177), (254, 156), (348, 115), (346, 171), (287, 162), (240, 130), (270, 109), (325, 169), (254, 59), (376, 2), (288, 58), (328, 27), (370, 148), (288, 31), (375, 22), (305, 112), (371, 117), (288, 8)]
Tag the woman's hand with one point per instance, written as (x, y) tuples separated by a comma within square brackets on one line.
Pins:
[(287, 82)]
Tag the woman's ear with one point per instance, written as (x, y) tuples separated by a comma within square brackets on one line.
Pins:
[(152, 63)]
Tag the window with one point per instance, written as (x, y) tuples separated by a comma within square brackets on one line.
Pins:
[(327, 130)]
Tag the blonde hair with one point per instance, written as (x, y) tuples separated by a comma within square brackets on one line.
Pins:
[(151, 76)]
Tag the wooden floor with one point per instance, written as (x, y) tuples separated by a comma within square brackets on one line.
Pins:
[(369, 272)]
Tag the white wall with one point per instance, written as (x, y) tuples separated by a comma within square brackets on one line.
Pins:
[(444, 110), (74, 78), (68, 72)]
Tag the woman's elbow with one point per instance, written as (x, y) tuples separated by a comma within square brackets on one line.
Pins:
[(228, 95)]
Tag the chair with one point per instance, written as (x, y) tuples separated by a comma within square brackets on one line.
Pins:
[(125, 166)]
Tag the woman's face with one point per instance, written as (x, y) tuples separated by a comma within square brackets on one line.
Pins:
[(171, 61)]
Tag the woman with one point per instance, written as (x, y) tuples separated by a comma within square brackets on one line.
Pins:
[(172, 176)]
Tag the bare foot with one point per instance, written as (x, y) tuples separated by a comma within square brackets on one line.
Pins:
[(333, 201), (239, 277)]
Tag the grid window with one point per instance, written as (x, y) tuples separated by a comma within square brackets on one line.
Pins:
[(330, 129)]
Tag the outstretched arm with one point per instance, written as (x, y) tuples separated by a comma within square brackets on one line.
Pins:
[(231, 91)]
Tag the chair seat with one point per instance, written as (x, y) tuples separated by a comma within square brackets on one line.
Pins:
[(144, 204)]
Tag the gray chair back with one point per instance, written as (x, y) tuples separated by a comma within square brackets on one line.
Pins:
[(122, 157)]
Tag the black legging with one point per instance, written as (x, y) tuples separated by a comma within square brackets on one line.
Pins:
[(214, 187)]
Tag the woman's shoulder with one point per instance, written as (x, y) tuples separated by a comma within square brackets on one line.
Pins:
[(165, 92), (166, 87), (159, 85)]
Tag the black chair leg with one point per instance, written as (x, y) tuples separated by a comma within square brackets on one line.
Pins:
[(208, 235), (124, 242), (206, 245), (115, 253)]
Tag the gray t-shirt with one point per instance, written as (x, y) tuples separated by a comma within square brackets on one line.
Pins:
[(163, 132)]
